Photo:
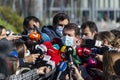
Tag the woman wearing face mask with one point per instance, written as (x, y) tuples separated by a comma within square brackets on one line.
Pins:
[(59, 21)]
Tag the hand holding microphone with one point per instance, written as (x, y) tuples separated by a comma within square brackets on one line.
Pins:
[(76, 73)]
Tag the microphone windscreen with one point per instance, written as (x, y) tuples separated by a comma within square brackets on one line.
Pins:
[(57, 41), (87, 51), (47, 44), (62, 66), (35, 36), (56, 46), (13, 53), (63, 49), (79, 51), (42, 49), (52, 51), (45, 37), (56, 59), (52, 63)]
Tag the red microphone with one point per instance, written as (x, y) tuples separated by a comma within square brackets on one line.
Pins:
[(79, 51), (56, 59), (87, 51), (55, 55), (47, 44)]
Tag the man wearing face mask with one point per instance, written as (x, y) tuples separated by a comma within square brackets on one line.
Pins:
[(71, 35), (59, 21)]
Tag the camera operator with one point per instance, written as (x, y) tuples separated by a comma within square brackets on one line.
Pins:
[(10, 36)]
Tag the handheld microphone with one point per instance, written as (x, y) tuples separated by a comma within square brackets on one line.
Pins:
[(92, 61), (37, 29), (62, 54), (89, 43), (42, 49), (33, 36), (62, 67), (56, 46), (48, 44), (55, 55), (79, 51), (45, 37), (69, 52), (57, 41), (51, 63), (13, 53), (87, 51), (46, 57)]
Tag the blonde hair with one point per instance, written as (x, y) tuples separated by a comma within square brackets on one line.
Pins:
[(109, 59), (109, 36)]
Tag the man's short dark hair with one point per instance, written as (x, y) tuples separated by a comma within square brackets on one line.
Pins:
[(72, 26), (28, 19), (92, 26), (59, 17)]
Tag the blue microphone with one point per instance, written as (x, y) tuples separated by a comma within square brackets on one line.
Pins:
[(13, 53), (45, 37), (56, 46), (62, 67)]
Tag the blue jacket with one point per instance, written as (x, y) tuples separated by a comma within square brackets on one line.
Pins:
[(50, 32)]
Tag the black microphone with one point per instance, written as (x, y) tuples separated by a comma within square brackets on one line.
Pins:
[(89, 43), (69, 52), (36, 28)]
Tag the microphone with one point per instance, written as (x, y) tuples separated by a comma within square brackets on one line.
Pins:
[(90, 43), (56, 46), (42, 49), (53, 51), (48, 44), (51, 63), (56, 59), (62, 67), (46, 57), (13, 53), (45, 37), (92, 61), (69, 52), (62, 54), (87, 51), (57, 41), (55, 55), (33, 36), (79, 51), (37, 29), (63, 49)]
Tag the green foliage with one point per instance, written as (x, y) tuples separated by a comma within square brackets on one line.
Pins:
[(8, 26), (11, 18)]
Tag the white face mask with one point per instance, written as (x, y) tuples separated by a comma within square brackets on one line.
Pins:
[(59, 30), (27, 53), (67, 40)]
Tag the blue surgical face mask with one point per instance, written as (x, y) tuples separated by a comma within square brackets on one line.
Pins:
[(67, 40), (59, 30)]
